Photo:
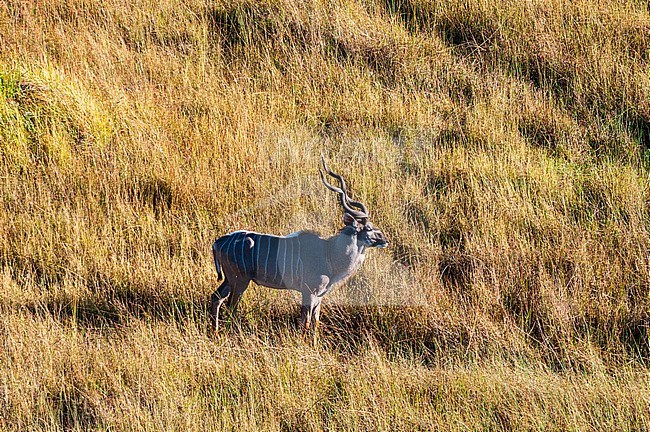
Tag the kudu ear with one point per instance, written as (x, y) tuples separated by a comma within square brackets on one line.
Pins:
[(349, 220)]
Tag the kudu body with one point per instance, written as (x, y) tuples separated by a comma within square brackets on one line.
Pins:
[(302, 261)]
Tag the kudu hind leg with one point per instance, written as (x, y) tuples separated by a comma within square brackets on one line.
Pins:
[(218, 297), (235, 297)]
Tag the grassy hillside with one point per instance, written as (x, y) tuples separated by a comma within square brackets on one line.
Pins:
[(503, 147)]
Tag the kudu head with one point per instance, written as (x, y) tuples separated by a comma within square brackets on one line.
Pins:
[(355, 214)]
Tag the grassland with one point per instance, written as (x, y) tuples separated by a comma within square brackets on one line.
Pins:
[(503, 147)]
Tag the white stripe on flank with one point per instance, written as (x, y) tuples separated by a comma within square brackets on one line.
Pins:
[(232, 237), (299, 266), (277, 258), (284, 262), (291, 262), (257, 254), (222, 246), (268, 252), (243, 258)]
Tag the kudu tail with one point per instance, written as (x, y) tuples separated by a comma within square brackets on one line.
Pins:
[(220, 275)]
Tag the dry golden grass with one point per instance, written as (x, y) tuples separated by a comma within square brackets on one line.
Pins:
[(504, 148)]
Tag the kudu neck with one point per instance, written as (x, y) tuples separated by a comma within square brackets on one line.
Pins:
[(345, 254)]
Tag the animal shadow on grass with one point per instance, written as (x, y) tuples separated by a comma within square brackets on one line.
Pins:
[(399, 331), (110, 303), (119, 308)]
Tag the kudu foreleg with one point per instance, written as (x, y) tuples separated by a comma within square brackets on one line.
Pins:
[(310, 313)]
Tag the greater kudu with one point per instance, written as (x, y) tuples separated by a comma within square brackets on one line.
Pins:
[(302, 261)]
